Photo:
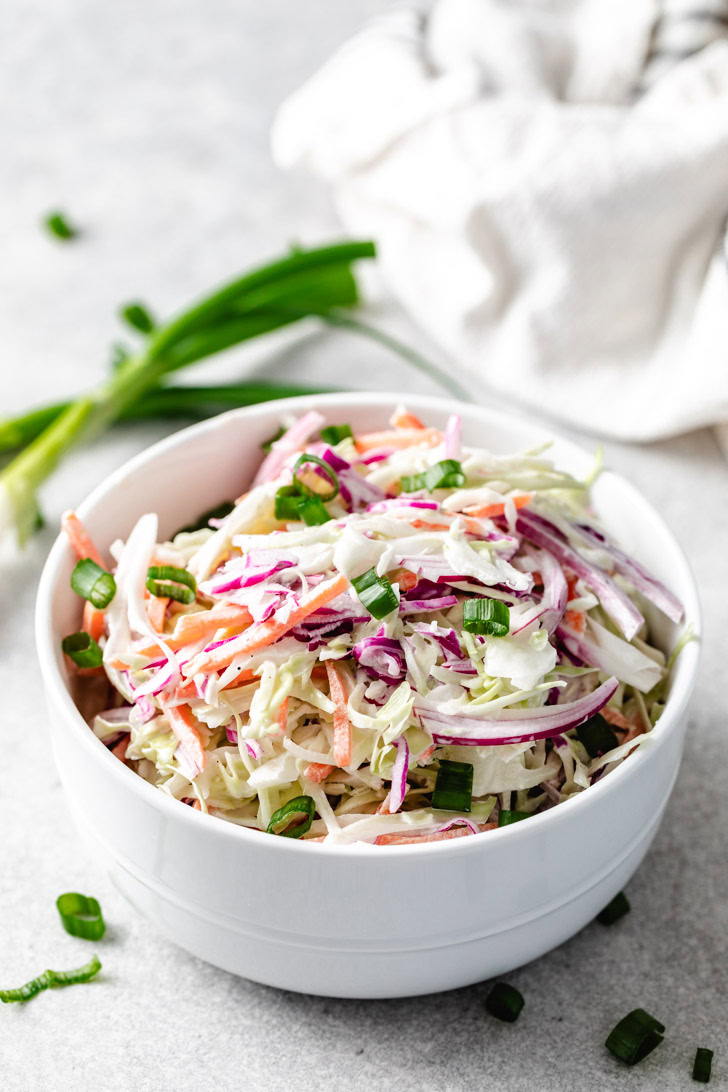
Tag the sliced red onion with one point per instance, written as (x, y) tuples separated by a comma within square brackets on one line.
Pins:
[(402, 502), (234, 577), (652, 588), (555, 596), (446, 638), (511, 725), (291, 441), (145, 709), (612, 655), (454, 438), (616, 603), (188, 761), (423, 606), (360, 491), (165, 677), (376, 455), (116, 716), (399, 776), (381, 657)]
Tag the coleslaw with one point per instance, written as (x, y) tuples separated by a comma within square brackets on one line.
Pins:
[(390, 638)]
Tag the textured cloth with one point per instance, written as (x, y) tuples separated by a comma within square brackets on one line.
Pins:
[(548, 186)]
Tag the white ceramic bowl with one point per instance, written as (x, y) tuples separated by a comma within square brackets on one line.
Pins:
[(356, 921)]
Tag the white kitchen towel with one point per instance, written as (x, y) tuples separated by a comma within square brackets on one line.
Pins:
[(547, 181)]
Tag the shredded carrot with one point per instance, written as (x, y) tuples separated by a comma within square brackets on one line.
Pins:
[(398, 438), (79, 538), (406, 579), (197, 805), (283, 715), (342, 724), (157, 612), (317, 771), (266, 633), (93, 620), (423, 525), (188, 688), (489, 511), (441, 836), (120, 748), (576, 619), (193, 627), (186, 729), (405, 420), (613, 716), (426, 753)]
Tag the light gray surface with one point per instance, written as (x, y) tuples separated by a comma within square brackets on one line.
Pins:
[(148, 123)]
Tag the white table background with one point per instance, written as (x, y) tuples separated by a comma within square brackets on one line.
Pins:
[(147, 122)]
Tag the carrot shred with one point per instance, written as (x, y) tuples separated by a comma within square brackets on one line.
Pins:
[(93, 620), (157, 612), (405, 420), (266, 633), (79, 538), (342, 724), (576, 619), (489, 511), (283, 715), (398, 438), (423, 525), (440, 836), (197, 805), (317, 771), (185, 728), (614, 717), (426, 753)]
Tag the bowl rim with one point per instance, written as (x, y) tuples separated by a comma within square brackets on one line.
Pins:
[(58, 692)]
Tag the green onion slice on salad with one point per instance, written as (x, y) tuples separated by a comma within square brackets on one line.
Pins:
[(299, 812), (329, 472), (375, 593), (93, 583), (82, 649), (454, 786), (171, 582), (486, 616), (506, 817), (334, 434)]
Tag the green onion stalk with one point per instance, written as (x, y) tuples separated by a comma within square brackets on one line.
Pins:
[(305, 283)]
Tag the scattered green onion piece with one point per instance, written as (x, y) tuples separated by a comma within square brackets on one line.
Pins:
[(702, 1065), (136, 315), (375, 593), (412, 483), (203, 521), (288, 501), (454, 786), (334, 434), (81, 915), (82, 649), (447, 474), (505, 1002), (505, 817), (635, 1036), (170, 582), (313, 512), (329, 471), (597, 736), (92, 582), (58, 225), (268, 444), (614, 910), (302, 808), (486, 616), (50, 979)]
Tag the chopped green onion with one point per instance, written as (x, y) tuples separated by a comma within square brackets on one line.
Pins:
[(447, 474), (505, 1002), (489, 616), (58, 225), (170, 582), (218, 512), (505, 817), (375, 593), (81, 915), (334, 434), (137, 316), (50, 979), (454, 786), (597, 736), (92, 582), (614, 910), (313, 512), (302, 808), (635, 1036), (82, 649), (702, 1065), (268, 444), (292, 504), (328, 470)]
